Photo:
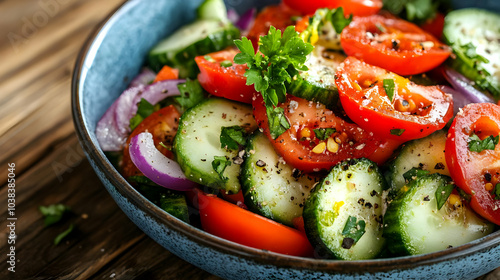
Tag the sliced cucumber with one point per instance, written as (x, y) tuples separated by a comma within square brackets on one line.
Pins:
[(414, 225), (212, 9), (198, 141), (318, 83), (352, 190), (198, 38), (271, 187), (480, 28), (426, 153)]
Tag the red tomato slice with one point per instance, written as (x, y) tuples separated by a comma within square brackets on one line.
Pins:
[(220, 76), (477, 173), (279, 16), (298, 145), (355, 7), (393, 44), (228, 221), (162, 124), (414, 112)]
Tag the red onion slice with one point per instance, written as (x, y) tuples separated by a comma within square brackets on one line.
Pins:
[(243, 22), (156, 166), (464, 87), (113, 128), (144, 78)]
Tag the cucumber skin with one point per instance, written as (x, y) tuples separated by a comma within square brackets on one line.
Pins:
[(312, 224), (253, 197), (213, 181), (184, 59), (299, 87)]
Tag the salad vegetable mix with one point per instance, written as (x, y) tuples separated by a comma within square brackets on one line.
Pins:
[(327, 129)]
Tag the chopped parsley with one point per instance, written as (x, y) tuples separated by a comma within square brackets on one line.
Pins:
[(324, 133), (144, 109), (320, 18), (413, 173), (477, 145), (418, 11), (354, 229), (397, 131), (191, 94), (232, 137), (389, 87), (496, 191), (442, 194), (278, 123), (219, 164), (63, 234), (278, 60), (226, 63)]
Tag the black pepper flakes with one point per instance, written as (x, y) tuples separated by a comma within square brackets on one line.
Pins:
[(347, 243), (426, 198), (439, 166)]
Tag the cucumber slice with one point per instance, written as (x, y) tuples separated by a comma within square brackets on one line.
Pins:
[(426, 153), (271, 187), (198, 38), (197, 141), (480, 28), (414, 225), (353, 189), (212, 9), (318, 83)]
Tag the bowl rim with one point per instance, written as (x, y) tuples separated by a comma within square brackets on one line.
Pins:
[(95, 154)]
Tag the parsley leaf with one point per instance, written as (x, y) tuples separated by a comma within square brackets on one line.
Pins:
[(219, 164), (63, 234), (442, 194), (53, 213), (277, 121), (477, 145), (278, 60), (417, 11), (354, 229), (144, 109), (321, 17), (324, 133), (191, 94), (496, 191), (232, 137), (397, 131), (389, 87), (413, 173)]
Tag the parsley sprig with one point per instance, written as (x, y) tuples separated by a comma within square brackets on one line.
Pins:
[(279, 59)]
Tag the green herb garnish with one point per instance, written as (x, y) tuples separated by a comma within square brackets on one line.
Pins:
[(389, 87), (191, 94), (321, 17), (413, 173), (53, 213), (226, 63), (496, 191), (63, 234), (477, 145), (219, 164), (354, 229), (417, 11), (278, 123), (144, 109), (397, 131), (278, 60), (324, 133), (232, 137), (442, 194)]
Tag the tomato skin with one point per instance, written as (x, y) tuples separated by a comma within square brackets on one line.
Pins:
[(365, 101), (399, 49), (305, 114), (228, 221), (468, 168), (227, 82), (355, 7), (434, 26), (162, 124)]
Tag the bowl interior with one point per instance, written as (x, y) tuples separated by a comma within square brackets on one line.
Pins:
[(116, 53)]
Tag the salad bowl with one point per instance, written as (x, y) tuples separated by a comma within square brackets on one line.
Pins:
[(112, 56)]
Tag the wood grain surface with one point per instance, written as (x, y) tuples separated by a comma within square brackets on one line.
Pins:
[(39, 43)]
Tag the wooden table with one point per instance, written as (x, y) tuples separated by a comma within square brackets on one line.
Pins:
[(39, 42)]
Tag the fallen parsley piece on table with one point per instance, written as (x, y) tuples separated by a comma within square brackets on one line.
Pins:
[(63, 234), (53, 213)]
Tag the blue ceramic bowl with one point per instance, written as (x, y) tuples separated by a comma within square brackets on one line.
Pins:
[(112, 56)]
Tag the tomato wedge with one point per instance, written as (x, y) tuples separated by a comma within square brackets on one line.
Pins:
[(476, 172), (414, 112), (355, 7), (228, 221), (393, 44), (167, 73), (220, 76), (300, 147), (279, 16), (162, 124)]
